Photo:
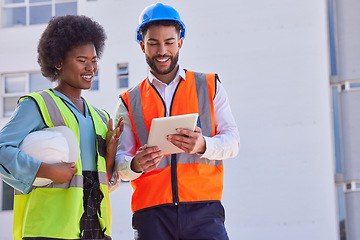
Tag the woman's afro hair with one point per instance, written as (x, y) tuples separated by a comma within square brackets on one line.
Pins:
[(61, 35)]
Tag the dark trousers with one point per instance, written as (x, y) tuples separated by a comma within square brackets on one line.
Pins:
[(200, 221)]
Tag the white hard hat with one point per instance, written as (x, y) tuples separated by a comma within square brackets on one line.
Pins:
[(51, 145)]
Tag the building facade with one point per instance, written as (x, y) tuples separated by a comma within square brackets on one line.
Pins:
[(290, 71), (345, 83)]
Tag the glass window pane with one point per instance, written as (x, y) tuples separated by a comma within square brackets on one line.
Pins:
[(62, 9), (355, 85), (337, 133), (15, 84), (38, 82), (7, 197), (332, 34), (95, 82), (341, 211), (95, 85), (35, 1), (9, 105), (40, 14), (15, 16), (14, 1), (122, 70), (123, 82)]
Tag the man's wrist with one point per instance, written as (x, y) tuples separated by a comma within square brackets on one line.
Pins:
[(134, 166)]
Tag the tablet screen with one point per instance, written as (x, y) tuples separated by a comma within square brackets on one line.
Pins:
[(162, 127)]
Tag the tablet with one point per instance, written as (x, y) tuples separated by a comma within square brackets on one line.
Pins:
[(162, 127)]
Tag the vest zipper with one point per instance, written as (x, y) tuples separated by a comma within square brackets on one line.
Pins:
[(174, 182)]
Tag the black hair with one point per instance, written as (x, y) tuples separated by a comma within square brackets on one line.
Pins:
[(176, 24), (61, 35)]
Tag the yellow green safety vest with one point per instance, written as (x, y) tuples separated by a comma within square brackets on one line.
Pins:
[(55, 210)]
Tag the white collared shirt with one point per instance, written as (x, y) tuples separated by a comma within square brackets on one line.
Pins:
[(167, 90), (225, 143)]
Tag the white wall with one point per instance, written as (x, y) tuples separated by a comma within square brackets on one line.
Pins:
[(272, 58)]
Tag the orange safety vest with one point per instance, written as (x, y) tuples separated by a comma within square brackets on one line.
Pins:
[(182, 177)]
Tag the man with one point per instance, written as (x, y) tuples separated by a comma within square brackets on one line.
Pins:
[(176, 196)]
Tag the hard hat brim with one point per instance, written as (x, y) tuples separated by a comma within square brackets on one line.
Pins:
[(139, 36)]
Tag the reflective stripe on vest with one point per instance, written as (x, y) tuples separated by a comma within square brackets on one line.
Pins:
[(204, 107), (53, 110), (76, 181), (31, 211), (181, 177), (137, 114)]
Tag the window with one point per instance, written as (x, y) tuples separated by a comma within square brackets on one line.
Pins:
[(352, 186), (332, 42), (95, 82), (38, 82), (14, 86), (336, 127), (122, 75), (30, 12), (7, 197), (19, 84), (354, 85), (341, 211)]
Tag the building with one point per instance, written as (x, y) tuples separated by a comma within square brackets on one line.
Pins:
[(290, 71), (345, 83)]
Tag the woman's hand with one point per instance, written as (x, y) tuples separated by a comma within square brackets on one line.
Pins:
[(112, 140), (57, 172)]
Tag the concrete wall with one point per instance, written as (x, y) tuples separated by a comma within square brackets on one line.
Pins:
[(272, 58)]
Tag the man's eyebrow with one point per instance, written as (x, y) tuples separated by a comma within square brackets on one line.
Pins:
[(85, 57), (156, 40)]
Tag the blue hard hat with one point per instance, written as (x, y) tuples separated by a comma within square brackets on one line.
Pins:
[(158, 12)]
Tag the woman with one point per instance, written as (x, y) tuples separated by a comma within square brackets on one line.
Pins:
[(76, 205)]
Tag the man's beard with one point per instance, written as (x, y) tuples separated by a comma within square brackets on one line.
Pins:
[(152, 65)]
